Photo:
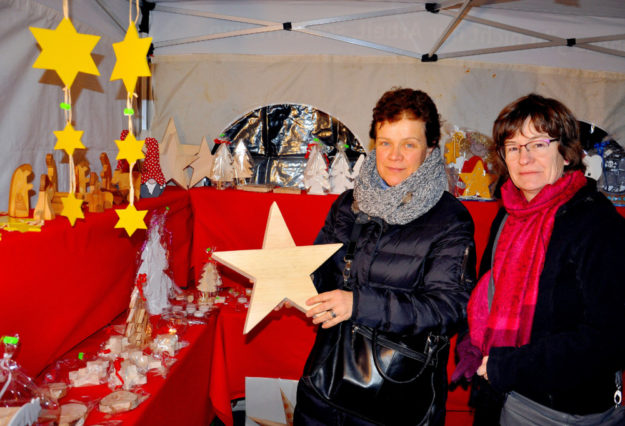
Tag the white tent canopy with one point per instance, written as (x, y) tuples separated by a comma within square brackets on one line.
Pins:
[(216, 60)]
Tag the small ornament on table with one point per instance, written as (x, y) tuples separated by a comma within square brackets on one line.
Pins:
[(210, 281), (316, 177), (223, 171), (73, 414), (340, 173), (243, 163), (138, 329), (165, 344), (119, 401), (152, 178), (125, 374)]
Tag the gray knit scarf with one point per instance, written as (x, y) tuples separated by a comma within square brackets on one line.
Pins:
[(406, 201)]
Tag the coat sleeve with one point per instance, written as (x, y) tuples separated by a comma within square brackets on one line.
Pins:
[(439, 302), (563, 359)]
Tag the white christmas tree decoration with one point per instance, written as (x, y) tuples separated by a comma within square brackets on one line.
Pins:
[(243, 163), (316, 178), (340, 173), (222, 172), (357, 166), (158, 286)]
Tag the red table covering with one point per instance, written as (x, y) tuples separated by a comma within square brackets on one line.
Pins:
[(64, 283)]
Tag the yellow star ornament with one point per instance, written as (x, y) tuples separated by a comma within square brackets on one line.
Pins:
[(130, 149), (131, 219), (477, 182), (132, 62), (69, 139), (65, 51), (72, 208)]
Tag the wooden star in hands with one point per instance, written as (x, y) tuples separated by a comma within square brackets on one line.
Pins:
[(132, 59), (203, 164), (65, 51), (477, 182), (72, 208), (68, 139), (130, 149), (278, 271), (131, 219)]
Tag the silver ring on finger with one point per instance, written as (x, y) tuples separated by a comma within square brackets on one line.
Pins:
[(332, 313)]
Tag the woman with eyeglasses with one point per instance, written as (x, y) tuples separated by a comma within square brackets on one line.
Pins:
[(547, 318)]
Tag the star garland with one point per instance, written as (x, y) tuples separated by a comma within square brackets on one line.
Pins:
[(131, 54)]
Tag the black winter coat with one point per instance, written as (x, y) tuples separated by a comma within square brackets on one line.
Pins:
[(577, 341), (409, 279)]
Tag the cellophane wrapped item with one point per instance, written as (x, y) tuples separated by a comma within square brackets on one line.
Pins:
[(22, 402), (120, 401)]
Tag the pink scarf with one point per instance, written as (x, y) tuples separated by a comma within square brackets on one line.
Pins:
[(519, 260)]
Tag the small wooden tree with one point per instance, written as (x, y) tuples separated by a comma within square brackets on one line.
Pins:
[(340, 173), (222, 172), (316, 178), (209, 282), (243, 163)]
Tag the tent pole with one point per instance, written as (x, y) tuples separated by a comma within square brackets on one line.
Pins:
[(452, 25)]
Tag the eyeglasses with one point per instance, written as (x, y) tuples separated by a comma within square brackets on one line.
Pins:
[(535, 147)]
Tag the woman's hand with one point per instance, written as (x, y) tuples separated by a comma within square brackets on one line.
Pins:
[(333, 307), (481, 371)]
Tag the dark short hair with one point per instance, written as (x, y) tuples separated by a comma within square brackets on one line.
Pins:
[(398, 103), (549, 116)]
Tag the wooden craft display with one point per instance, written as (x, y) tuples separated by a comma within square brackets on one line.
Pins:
[(138, 329), (279, 271), (97, 200), (19, 197)]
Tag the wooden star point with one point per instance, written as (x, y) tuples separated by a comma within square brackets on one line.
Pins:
[(132, 62), (131, 219), (69, 139), (175, 156), (65, 51), (203, 164)]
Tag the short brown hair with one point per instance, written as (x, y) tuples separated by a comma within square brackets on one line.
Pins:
[(549, 116), (398, 103)]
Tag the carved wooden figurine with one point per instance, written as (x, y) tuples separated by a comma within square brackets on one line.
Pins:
[(19, 199), (43, 208), (98, 200), (82, 179), (52, 173), (106, 173)]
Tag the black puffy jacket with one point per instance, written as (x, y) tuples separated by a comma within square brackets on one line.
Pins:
[(409, 279)]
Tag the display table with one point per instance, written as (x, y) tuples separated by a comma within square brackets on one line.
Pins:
[(64, 283)]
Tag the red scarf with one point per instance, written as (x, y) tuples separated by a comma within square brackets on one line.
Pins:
[(519, 260)]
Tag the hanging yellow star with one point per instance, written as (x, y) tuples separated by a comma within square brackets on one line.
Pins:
[(65, 51), (132, 62), (452, 148), (72, 208), (131, 219), (477, 182), (68, 139), (130, 149)]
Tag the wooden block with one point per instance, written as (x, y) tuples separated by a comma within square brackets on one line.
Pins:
[(52, 173), (256, 187), (57, 203), (19, 197), (82, 179), (106, 173), (43, 208), (287, 190)]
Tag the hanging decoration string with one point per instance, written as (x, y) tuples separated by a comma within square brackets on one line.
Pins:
[(67, 95), (65, 9)]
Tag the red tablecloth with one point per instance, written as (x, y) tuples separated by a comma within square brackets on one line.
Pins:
[(277, 347), (64, 283)]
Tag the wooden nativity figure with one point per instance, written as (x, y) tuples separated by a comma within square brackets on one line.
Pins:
[(152, 178), (19, 197), (243, 163), (222, 172)]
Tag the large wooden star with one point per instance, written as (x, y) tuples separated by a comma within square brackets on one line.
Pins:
[(477, 182), (65, 51), (72, 208), (132, 59), (202, 165), (130, 149), (131, 219), (278, 273), (174, 156), (68, 139)]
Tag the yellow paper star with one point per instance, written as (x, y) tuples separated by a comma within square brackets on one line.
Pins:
[(65, 51), (131, 219), (68, 139), (130, 149), (279, 271), (72, 208), (477, 182), (132, 59), (452, 148)]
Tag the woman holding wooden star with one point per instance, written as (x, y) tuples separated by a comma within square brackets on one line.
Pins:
[(392, 296)]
